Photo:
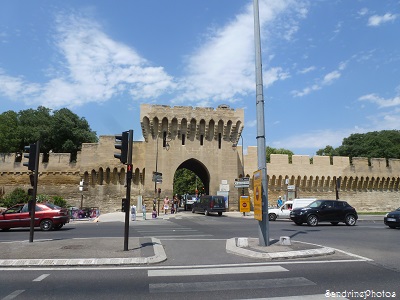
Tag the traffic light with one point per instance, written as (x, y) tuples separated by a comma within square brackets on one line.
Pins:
[(30, 153), (123, 205), (122, 144)]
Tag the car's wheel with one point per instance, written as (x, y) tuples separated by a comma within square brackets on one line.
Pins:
[(350, 220), (334, 223), (193, 210), (206, 213), (312, 220), (272, 217), (390, 226), (46, 225), (299, 223), (58, 226), (220, 213)]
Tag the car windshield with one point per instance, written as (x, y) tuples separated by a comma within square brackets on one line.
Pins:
[(314, 204), (398, 209)]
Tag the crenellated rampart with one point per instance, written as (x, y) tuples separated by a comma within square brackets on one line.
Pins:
[(203, 140)]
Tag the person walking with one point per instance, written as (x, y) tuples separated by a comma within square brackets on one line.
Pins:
[(166, 204), (144, 211), (133, 213), (176, 201), (279, 202)]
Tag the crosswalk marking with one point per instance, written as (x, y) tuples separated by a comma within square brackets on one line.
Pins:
[(185, 287), (215, 271)]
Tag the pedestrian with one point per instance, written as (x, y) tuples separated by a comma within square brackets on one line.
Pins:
[(133, 213), (176, 202), (144, 211), (166, 204), (279, 202), (154, 213)]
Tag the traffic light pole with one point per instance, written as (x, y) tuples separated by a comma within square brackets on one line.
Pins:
[(128, 191), (33, 201)]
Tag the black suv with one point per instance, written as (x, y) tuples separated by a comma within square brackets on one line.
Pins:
[(333, 211)]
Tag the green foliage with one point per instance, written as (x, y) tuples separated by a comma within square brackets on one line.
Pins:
[(59, 201), (270, 150), (16, 196), (376, 144), (185, 182), (60, 132)]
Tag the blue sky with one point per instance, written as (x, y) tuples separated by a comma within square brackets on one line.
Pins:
[(331, 67)]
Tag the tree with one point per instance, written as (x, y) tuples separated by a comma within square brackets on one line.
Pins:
[(186, 182), (69, 132), (9, 138), (62, 131), (327, 151), (270, 150), (377, 144)]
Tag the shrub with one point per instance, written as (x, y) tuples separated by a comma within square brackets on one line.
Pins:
[(59, 201), (16, 196)]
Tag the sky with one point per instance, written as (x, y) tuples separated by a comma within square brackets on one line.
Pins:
[(331, 68)]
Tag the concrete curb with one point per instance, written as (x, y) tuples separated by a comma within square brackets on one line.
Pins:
[(159, 256), (232, 248)]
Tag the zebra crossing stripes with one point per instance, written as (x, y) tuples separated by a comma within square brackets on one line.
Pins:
[(219, 285), (203, 286), (215, 271)]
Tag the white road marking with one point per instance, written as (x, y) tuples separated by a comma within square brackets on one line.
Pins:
[(215, 271), (41, 277), (186, 287), (13, 295)]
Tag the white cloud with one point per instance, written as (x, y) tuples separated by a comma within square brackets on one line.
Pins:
[(93, 68), (381, 102), (326, 80), (307, 70), (376, 20), (223, 67)]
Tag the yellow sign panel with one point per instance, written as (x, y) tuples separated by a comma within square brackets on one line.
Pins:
[(244, 204), (257, 183)]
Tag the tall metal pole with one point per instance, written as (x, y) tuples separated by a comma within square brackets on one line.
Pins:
[(33, 201), (261, 149), (128, 191)]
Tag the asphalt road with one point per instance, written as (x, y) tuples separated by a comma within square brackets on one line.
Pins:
[(195, 247)]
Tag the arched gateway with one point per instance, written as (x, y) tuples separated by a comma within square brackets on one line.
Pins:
[(198, 139)]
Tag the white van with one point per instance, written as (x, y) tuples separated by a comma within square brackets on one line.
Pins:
[(283, 212)]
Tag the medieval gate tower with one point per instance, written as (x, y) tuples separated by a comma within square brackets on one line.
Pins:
[(198, 139)]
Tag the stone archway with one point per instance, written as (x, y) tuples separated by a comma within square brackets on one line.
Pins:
[(199, 169)]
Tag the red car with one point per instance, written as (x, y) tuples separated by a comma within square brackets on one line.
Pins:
[(47, 216)]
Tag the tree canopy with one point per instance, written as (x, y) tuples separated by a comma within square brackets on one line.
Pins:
[(270, 150), (376, 144), (186, 182), (61, 131)]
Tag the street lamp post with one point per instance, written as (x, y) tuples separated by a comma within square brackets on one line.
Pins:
[(81, 190)]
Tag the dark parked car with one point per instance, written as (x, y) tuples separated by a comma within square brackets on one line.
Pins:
[(209, 204), (392, 219), (333, 211), (47, 217)]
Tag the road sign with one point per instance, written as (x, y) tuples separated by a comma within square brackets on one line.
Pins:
[(243, 182), (157, 177), (244, 204)]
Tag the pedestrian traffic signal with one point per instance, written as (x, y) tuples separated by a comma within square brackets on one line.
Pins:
[(123, 205), (30, 154), (122, 144)]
